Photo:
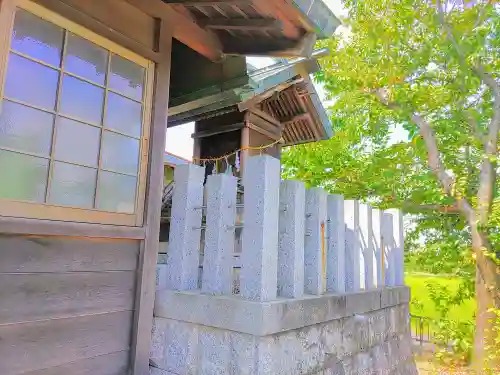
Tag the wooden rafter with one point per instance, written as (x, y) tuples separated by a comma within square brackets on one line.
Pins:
[(299, 117), (184, 28), (206, 2), (242, 24)]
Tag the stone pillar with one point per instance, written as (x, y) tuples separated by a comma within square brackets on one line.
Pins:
[(377, 242), (335, 263), (398, 235), (185, 231), (352, 248), (291, 239), (315, 243), (219, 234), (367, 246), (259, 256), (388, 249)]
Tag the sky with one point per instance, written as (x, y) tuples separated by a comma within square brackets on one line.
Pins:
[(179, 141)]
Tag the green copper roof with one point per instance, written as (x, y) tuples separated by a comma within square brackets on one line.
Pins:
[(319, 15)]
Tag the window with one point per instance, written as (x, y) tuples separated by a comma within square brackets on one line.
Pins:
[(74, 121)]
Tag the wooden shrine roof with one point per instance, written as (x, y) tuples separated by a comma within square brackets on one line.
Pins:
[(216, 28)]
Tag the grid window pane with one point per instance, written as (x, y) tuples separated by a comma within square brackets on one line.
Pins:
[(126, 77), (31, 82), (25, 129), (37, 38), (73, 185), (116, 192), (85, 59), (124, 115), (77, 142), (120, 153), (81, 100), (57, 141), (24, 177)]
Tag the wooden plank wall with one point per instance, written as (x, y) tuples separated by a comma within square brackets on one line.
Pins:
[(67, 305), (78, 298)]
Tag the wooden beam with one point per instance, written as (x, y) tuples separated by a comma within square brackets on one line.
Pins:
[(107, 23), (242, 24), (184, 28), (218, 130), (255, 46), (262, 123), (146, 288), (265, 116), (269, 134), (206, 2), (14, 225)]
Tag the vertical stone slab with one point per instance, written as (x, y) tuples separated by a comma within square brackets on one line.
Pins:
[(388, 249), (352, 246), (291, 239), (219, 234), (377, 244), (184, 241), (398, 235), (335, 256), (161, 276), (366, 242), (315, 243), (259, 273)]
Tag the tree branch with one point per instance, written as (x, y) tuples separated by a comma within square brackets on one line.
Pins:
[(478, 132), (443, 209), (433, 155), (488, 173)]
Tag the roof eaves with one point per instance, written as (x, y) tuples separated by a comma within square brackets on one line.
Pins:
[(319, 16)]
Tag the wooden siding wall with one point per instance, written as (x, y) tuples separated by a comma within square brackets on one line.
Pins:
[(78, 298), (66, 305)]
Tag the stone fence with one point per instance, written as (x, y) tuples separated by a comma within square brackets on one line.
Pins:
[(320, 287)]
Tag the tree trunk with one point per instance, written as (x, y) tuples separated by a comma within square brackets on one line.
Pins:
[(486, 350)]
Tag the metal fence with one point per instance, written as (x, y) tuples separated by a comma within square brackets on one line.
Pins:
[(421, 329)]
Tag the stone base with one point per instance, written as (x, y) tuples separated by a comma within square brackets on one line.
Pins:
[(372, 337)]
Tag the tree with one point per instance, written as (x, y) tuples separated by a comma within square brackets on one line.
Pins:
[(431, 68)]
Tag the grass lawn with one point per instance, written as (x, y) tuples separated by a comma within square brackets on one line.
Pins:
[(417, 283)]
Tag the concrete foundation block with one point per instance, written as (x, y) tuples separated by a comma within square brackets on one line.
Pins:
[(305, 336), (214, 353), (379, 360), (392, 296), (243, 353), (377, 327), (363, 363), (157, 371), (332, 339), (363, 301), (174, 346)]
